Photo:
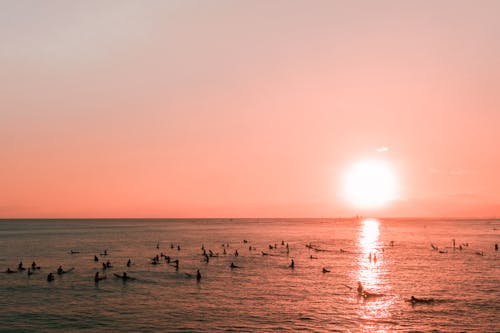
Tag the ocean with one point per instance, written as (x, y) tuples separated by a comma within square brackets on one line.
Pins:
[(393, 259)]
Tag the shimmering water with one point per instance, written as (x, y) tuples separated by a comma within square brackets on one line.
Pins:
[(264, 294)]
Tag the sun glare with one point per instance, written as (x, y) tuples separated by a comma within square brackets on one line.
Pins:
[(370, 184)]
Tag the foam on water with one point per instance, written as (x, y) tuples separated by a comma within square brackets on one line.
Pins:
[(265, 294)]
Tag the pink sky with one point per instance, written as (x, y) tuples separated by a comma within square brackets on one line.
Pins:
[(244, 109)]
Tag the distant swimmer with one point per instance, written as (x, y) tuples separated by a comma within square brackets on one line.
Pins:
[(178, 247), (104, 266), (292, 264), (158, 245), (233, 265), (236, 253), (108, 264), (496, 247), (50, 277), (105, 253), (74, 252), (30, 272), (34, 266), (264, 253), (312, 257), (325, 270), (342, 251), (480, 253), (171, 245), (96, 259), (20, 267), (198, 275), (98, 278), (129, 262), (415, 300), (10, 271)]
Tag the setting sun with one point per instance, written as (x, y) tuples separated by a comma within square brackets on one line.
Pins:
[(370, 184)]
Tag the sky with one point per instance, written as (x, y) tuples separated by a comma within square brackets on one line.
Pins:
[(247, 108)]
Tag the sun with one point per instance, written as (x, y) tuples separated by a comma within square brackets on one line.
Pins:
[(370, 184)]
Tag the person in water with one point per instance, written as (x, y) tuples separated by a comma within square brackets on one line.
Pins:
[(292, 264), (20, 266), (97, 278), (233, 265), (10, 271), (198, 275), (60, 270), (50, 277), (360, 289), (96, 259), (33, 265), (129, 262), (415, 300), (325, 270)]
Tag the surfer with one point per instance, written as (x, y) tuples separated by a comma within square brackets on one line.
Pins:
[(108, 264), (198, 275), (415, 300), (98, 278), (60, 270), (95, 258), (30, 272), (365, 294), (292, 264), (20, 266), (325, 270), (360, 289), (50, 277), (9, 271), (129, 262), (124, 276), (496, 247), (236, 253), (234, 266), (33, 265)]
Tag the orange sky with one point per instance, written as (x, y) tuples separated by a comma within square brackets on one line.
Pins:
[(243, 109)]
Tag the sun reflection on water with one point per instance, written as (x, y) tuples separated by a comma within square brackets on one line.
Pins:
[(373, 310)]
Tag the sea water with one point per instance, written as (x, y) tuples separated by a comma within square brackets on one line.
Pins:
[(264, 294)]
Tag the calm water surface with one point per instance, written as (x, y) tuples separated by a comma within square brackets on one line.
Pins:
[(265, 294)]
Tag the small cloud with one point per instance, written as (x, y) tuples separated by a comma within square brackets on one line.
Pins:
[(382, 149), (458, 172)]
